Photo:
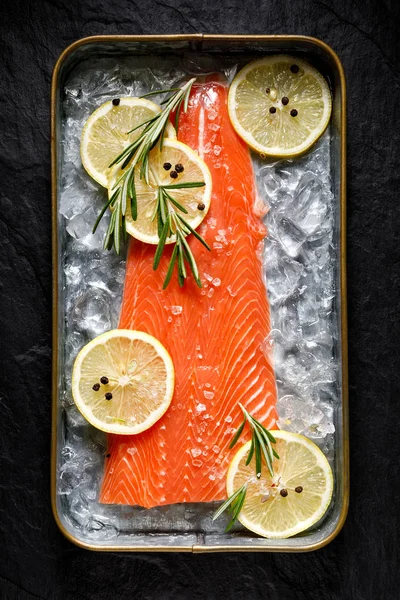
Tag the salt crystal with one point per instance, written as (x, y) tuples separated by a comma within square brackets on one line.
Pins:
[(197, 462), (131, 451), (195, 452), (216, 282), (208, 395), (217, 150), (201, 408), (216, 449), (176, 310), (228, 419)]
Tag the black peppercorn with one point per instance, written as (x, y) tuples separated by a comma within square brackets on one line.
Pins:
[(108, 455), (283, 493), (173, 174), (108, 396), (179, 168), (104, 380), (96, 387), (293, 112), (267, 91), (116, 101), (285, 100), (298, 489), (295, 69), (167, 166), (272, 110), (201, 206)]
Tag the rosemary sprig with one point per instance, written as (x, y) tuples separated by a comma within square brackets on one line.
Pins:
[(261, 440), (137, 153), (234, 504), (171, 222)]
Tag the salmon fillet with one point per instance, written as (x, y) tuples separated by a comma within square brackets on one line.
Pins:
[(215, 335)]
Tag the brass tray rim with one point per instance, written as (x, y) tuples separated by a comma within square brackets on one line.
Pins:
[(199, 548)]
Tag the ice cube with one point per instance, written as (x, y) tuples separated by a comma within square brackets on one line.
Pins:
[(283, 279), (92, 312), (290, 236)]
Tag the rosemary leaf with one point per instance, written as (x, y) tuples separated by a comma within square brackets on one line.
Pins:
[(175, 202), (228, 502), (237, 508), (161, 244), (190, 258), (124, 191), (268, 433), (178, 111), (159, 221), (264, 451), (125, 233), (251, 453), (117, 228), (188, 184), (144, 123), (103, 210), (181, 262), (132, 194), (257, 451), (159, 92), (110, 231), (156, 208), (181, 279), (163, 134), (191, 230), (170, 267), (262, 431), (237, 434)]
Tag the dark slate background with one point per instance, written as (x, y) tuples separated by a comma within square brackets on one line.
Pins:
[(36, 561)]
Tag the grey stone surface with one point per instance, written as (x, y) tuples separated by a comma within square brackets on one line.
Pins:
[(36, 561)]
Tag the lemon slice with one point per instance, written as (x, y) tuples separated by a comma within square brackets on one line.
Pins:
[(185, 166), (104, 134), (123, 381), (303, 475), (280, 105)]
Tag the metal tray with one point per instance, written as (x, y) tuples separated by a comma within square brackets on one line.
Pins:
[(326, 60)]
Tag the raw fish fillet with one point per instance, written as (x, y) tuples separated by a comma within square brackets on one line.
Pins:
[(216, 335)]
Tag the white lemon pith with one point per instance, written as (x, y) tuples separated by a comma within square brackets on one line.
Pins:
[(280, 105), (301, 465), (195, 200), (138, 385), (105, 133)]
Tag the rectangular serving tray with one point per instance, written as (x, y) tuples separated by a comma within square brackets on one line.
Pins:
[(255, 46)]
